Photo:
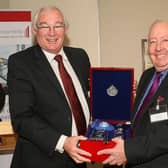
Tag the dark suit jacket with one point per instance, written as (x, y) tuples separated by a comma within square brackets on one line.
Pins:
[(149, 146), (38, 107)]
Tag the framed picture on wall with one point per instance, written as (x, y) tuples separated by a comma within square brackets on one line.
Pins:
[(146, 62)]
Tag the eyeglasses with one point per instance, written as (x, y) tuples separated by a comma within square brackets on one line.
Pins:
[(56, 27), (154, 41)]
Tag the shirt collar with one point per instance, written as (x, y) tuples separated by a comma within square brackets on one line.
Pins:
[(163, 74), (50, 56)]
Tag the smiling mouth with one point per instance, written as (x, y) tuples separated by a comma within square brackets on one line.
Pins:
[(160, 56), (52, 40)]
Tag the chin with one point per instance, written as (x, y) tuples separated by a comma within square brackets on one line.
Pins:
[(161, 69)]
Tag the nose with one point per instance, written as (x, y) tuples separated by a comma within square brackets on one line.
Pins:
[(51, 31), (159, 46)]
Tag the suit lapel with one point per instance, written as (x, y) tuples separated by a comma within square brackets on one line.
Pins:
[(141, 91), (156, 95), (44, 66), (74, 63), (73, 59)]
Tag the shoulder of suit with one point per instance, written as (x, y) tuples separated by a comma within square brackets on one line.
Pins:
[(27, 50), (149, 71), (68, 48), (24, 53)]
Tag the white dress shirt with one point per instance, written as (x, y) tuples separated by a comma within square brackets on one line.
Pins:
[(78, 88)]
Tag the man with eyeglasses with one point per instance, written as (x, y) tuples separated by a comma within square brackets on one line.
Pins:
[(40, 107), (148, 147)]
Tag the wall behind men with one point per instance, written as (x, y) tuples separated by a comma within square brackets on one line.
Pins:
[(109, 30), (4, 4), (82, 16), (122, 26)]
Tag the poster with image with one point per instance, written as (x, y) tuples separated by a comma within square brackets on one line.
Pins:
[(15, 35)]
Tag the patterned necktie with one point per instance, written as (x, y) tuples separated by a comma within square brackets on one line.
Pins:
[(151, 92), (72, 97)]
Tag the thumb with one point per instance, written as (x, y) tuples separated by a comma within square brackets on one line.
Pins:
[(116, 139)]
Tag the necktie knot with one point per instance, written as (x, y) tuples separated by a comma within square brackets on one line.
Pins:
[(158, 75), (155, 82), (58, 58)]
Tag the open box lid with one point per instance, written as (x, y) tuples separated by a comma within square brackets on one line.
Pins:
[(111, 93)]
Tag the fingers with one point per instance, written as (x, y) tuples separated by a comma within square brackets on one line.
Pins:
[(117, 139), (113, 161), (116, 154), (77, 154), (81, 156), (104, 151)]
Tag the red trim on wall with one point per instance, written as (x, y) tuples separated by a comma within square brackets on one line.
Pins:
[(21, 16)]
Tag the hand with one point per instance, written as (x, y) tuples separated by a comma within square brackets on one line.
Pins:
[(117, 153), (77, 154)]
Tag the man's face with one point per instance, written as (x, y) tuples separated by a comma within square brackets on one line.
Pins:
[(158, 46), (50, 32)]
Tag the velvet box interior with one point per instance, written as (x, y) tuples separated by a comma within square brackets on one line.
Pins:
[(111, 99)]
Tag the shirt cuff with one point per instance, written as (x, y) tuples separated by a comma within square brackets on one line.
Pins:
[(60, 144)]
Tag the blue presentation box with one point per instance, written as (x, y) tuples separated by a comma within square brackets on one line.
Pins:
[(111, 101)]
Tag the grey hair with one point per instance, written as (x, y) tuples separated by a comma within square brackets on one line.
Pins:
[(36, 16), (154, 23)]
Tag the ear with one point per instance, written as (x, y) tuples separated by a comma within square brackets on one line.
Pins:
[(34, 31), (66, 30)]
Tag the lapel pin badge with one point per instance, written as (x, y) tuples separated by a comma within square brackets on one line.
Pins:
[(159, 99)]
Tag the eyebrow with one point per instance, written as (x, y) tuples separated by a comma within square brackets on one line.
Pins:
[(62, 23)]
